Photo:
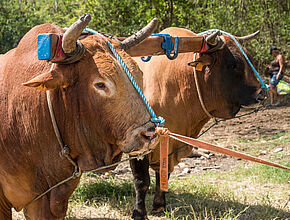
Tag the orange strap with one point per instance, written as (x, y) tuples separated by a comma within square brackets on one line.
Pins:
[(163, 170), (214, 148)]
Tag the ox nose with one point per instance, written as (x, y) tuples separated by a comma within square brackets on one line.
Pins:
[(149, 134), (145, 140)]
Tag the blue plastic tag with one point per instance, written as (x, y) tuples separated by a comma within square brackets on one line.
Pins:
[(44, 46)]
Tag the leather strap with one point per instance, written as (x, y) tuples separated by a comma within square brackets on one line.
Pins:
[(214, 148), (163, 169)]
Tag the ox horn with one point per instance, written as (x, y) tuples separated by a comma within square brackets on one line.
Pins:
[(248, 37), (72, 34), (140, 35), (212, 38)]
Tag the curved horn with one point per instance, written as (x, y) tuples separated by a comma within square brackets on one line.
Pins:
[(248, 37), (72, 34), (212, 38), (140, 35)]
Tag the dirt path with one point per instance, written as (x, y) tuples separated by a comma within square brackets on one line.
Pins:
[(261, 124)]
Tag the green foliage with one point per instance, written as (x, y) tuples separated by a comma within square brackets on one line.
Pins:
[(122, 18)]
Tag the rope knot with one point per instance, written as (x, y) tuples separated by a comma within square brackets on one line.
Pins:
[(162, 131), (158, 121), (65, 151)]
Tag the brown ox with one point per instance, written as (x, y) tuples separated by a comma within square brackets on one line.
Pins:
[(97, 110), (226, 84)]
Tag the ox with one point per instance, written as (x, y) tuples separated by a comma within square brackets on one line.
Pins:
[(226, 83), (97, 110)]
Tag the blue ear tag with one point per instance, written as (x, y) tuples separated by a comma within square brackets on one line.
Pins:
[(44, 46)]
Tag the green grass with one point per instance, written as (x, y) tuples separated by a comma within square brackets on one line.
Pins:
[(114, 188), (251, 191)]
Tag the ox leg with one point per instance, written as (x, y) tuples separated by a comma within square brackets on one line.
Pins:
[(140, 170), (159, 203), (5, 207)]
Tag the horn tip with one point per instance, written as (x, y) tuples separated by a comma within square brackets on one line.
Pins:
[(85, 18), (154, 21)]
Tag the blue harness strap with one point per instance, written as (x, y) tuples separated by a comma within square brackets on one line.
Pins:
[(158, 121), (263, 85), (167, 45)]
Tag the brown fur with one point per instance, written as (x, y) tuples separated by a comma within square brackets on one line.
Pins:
[(96, 128)]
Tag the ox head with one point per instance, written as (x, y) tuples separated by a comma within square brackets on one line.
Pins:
[(228, 70), (97, 95)]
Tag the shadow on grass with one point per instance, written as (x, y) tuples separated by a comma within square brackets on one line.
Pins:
[(203, 203), (196, 206)]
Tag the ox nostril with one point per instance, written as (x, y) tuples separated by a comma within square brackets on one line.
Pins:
[(148, 135)]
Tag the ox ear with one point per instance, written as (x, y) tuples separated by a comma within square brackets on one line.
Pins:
[(47, 81), (201, 62)]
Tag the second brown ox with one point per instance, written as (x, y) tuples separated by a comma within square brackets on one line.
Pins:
[(226, 83)]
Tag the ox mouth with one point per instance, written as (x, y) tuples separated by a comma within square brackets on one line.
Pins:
[(139, 140), (150, 143), (260, 101), (256, 105)]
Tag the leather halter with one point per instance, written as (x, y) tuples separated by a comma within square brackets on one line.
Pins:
[(199, 92), (65, 151)]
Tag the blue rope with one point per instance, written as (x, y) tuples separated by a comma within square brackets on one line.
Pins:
[(167, 45), (146, 59), (158, 121), (243, 52), (92, 31)]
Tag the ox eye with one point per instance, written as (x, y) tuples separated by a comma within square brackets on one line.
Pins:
[(100, 85)]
